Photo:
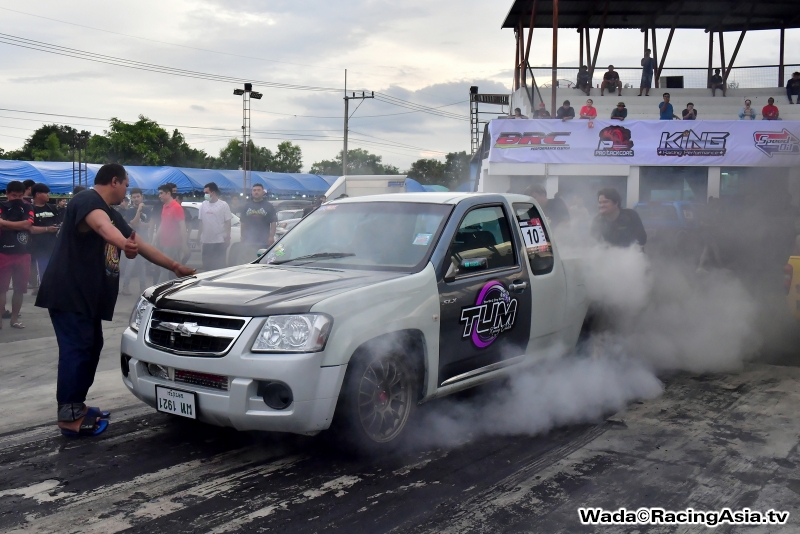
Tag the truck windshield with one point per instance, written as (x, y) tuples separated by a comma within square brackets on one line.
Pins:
[(363, 235)]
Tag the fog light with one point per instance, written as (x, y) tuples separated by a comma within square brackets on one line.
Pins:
[(158, 371), (276, 395), (124, 363)]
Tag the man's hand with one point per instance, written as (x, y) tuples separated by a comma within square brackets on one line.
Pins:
[(182, 270), (131, 248)]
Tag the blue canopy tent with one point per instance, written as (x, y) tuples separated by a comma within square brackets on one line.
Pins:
[(58, 176)]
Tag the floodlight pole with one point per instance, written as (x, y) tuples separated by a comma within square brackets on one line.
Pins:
[(246, 93), (347, 100)]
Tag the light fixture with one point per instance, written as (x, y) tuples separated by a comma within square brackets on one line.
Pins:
[(256, 95), (238, 92)]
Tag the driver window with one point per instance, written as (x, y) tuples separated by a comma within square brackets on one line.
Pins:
[(537, 245), (482, 243)]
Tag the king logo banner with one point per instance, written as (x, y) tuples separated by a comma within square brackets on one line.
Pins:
[(649, 142)]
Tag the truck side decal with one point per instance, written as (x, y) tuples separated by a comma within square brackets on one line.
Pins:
[(494, 312)]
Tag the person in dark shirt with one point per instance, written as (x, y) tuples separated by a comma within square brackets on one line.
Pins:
[(793, 87), (619, 227), (565, 112), (138, 217), (717, 83), (620, 112), (689, 114), (80, 288), (16, 219), (611, 81), (584, 81), (45, 227), (308, 210), (258, 220), (542, 112), (554, 209)]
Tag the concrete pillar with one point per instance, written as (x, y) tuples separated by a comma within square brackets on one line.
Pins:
[(714, 181), (551, 185), (633, 187)]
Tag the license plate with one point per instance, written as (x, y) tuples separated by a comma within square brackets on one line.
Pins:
[(176, 402)]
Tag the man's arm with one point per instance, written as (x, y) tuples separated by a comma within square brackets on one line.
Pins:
[(19, 226), (639, 231), (228, 231), (44, 229), (272, 227), (153, 255)]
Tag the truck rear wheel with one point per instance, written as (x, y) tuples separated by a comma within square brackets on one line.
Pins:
[(379, 396)]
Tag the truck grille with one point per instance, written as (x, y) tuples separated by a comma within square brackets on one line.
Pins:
[(192, 334), (202, 379)]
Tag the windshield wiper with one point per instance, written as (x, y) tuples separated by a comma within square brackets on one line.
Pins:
[(317, 256)]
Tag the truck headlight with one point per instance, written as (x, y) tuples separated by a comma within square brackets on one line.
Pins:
[(293, 333), (138, 314)]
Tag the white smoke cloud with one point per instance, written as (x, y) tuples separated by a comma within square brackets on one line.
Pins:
[(654, 317)]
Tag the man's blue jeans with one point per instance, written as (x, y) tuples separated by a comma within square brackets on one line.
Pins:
[(80, 340)]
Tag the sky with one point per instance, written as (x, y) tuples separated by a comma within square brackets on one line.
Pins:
[(427, 53)]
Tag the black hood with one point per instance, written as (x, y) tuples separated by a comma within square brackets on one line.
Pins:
[(257, 290)]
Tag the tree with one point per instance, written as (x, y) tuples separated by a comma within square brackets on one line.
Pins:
[(359, 161), (53, 150), (41, 143), (427, 171), (230, 157), (456, 169), (143, 143), (288, 158)]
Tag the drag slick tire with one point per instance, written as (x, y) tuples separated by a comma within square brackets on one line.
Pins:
[(379, 397)]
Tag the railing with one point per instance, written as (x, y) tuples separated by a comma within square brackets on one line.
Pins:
[(693, 77)]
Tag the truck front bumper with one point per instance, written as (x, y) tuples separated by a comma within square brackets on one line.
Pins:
[(315, 389)]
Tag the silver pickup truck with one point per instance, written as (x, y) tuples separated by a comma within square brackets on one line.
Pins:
[(367, 308)]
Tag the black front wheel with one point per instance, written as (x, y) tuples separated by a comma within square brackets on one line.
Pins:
[(378, 398)]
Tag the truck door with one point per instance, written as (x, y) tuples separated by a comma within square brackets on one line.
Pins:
[(484, 295), (548, 288)]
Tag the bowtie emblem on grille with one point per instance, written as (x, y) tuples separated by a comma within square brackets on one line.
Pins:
[(184, 329)]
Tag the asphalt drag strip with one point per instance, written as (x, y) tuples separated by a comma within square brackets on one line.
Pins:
[(708, 442)]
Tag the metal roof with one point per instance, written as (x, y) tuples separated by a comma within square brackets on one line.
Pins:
[(716, 15)]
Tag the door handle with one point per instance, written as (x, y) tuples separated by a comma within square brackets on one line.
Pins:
[(517, 285)]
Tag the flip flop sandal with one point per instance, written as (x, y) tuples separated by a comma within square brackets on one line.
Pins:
[(89, 428), (99, 413), (17, 325)]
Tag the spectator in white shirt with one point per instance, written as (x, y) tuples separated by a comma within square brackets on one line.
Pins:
[(215, 228), (747, 113)]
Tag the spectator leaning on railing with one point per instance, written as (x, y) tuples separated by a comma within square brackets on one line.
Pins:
[(665, 112), (747, 113), (689, 114), (770, 111), (565, 112), (620, 112), (542, 112), (589, 111), (793, 87)]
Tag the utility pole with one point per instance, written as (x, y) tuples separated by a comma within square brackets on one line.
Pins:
[(347, 100)]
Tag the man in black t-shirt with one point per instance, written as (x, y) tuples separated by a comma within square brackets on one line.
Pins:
[(554, 209), (44, 230), (565, 112), (16, 219), (80, 288), (258, 220), (717, 82), (617, 226)]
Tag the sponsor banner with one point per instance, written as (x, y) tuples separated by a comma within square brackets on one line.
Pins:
[(704, 143)]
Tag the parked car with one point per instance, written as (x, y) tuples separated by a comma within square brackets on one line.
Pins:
[(192, 212), (287, 219), (369, 307)]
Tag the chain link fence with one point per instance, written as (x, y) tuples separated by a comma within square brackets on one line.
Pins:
[(692, 77)]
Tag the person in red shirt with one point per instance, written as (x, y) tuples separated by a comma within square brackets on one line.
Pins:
[(770, 111), (171, 237), (589, 111)]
